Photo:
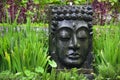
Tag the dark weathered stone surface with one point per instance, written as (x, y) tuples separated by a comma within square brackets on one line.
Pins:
[(70, 36)]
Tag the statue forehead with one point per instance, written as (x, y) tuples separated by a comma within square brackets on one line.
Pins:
[(72, 24)]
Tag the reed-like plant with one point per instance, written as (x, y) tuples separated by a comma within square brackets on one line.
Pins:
[(24, 50), (107, 50), (64, 75)]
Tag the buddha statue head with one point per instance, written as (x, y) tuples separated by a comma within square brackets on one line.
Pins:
[(70, 35)]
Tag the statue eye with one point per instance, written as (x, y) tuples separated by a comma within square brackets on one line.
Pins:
[(64, 35), (82, 35), (82, 38)]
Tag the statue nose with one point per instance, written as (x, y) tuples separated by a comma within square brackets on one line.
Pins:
[(74, 43)]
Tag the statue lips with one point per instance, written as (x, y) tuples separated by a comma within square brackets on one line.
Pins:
[(74, 56)]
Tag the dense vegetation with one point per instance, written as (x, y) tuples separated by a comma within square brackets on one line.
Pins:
[(24, 49), (23, 55), (106, 50), (104, 11)]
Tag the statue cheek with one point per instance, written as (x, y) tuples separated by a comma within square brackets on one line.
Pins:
[(62, 48), (84, 44), (63, 43)]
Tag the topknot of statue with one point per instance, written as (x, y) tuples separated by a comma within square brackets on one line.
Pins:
[(73, 12)]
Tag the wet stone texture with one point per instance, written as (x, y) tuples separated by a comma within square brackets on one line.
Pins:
[(70, 36)]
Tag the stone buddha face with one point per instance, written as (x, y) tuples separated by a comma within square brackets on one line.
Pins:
[(72, 42)]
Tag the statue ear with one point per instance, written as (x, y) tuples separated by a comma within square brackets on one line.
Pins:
[(53, 46)]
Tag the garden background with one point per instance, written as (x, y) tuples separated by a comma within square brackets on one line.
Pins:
[(24, 42)]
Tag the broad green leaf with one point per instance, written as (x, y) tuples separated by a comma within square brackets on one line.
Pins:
[(52, 63), (39, 70), (27, 72)]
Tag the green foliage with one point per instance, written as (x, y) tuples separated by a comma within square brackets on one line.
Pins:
[(107, 71), (113, 2), (64, 75), (109, 0), (25, 25), (53, 75), (23, 50), (24, 56), (44, 2), (106, 49), (52, 63), (82, 1), (62, 2)]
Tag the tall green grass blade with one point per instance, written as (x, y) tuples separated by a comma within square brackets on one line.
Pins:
[(106, 49)]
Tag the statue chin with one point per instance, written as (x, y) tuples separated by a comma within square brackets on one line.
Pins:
[(72, 62)]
